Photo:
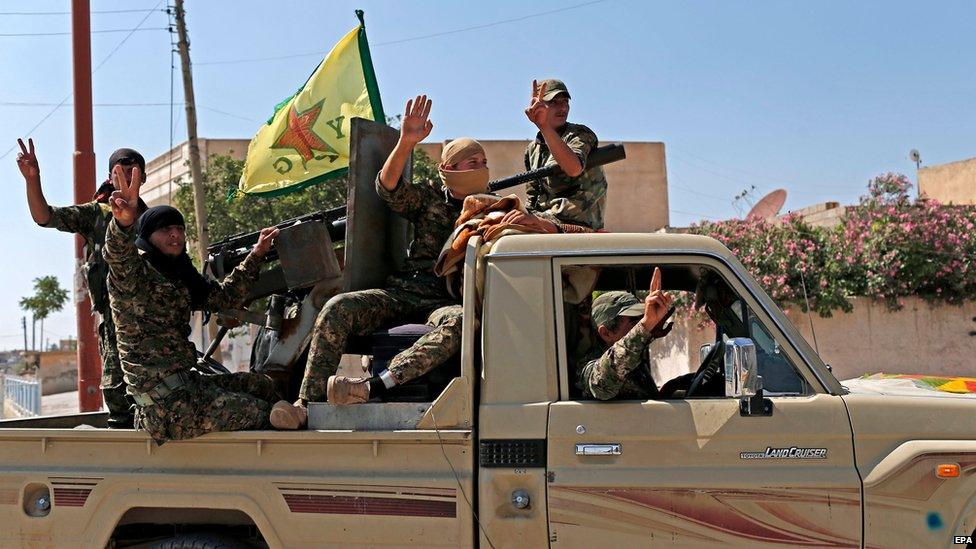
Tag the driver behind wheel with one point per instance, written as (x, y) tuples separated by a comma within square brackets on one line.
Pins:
[(618, 365)]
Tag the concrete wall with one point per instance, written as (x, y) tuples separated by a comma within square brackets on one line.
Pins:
[(954, 182), (919, 339), (637, 197), (58, 372), (164, 172)]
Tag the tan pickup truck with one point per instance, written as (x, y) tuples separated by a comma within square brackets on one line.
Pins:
[(771, 450)]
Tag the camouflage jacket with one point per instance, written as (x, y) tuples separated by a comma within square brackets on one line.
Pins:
[(152, 313), (90, 220), (621, 371), (432, 211), (562, 199)]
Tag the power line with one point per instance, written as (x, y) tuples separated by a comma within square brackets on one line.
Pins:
[(69, 13), (36, 104), (211, 109), (15, 34), (410, 39), (100, 64)]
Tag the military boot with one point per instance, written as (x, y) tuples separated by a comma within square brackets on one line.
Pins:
[(347, 390), (287, 416)]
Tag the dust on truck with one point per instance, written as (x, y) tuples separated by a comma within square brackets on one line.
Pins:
[(769, 450)]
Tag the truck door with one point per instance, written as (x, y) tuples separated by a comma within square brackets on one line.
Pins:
[(690, 472)]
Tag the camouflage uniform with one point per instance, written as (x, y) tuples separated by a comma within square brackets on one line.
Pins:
[(414, 290), (90, 220), (621, 371), (562, 199), (152, 316)]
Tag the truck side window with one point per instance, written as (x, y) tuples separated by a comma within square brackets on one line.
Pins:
[(609, 360)]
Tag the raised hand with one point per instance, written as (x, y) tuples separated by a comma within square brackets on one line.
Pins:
[(415, 126), (125, 200), (656, 304), (27, 161), (538, 110), (265, 241)]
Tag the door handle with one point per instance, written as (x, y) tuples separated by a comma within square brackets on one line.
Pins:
[(612, 449)]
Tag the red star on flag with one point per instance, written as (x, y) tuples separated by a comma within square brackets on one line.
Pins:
[(299, 135)]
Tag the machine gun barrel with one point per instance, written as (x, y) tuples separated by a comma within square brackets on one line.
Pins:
[(598, 157)]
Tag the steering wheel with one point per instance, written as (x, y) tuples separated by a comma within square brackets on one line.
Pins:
[(709, 368)]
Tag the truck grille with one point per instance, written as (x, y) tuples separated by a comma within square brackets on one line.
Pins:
[(513, 453)]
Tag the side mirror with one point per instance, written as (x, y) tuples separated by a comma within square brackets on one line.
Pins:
[(741, 368), (742, 378), (703, 351)]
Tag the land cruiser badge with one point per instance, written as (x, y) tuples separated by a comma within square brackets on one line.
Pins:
[(791, 452)]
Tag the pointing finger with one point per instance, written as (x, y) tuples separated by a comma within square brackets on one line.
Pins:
[(656, 280), (535, 89), (23, 149)]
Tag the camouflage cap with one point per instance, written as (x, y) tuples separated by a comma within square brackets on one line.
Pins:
[(610, 305), (553, 88)]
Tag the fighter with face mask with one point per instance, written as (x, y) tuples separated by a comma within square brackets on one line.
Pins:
[(90, 221), (431, 207), (153, 287)]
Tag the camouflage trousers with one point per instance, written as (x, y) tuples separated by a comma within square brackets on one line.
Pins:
[(363, 312), (222, 402), (118, 403), (433, 348)]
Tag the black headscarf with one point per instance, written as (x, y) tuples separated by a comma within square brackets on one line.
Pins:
[(179, 268)]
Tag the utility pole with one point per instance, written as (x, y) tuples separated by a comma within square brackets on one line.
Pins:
[(196, 171), (89, 363), (23, 322)]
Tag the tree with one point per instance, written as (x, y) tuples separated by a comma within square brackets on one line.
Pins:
[(49, 297)]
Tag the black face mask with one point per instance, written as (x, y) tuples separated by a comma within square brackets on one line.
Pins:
[(179, 268)]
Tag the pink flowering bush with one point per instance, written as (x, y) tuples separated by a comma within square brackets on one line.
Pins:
[(887, 247)]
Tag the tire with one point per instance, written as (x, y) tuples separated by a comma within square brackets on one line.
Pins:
[(201, 540)]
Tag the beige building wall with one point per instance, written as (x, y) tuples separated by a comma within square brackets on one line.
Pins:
[(165, 172), (921, 338), (637, 197), (952, 183)]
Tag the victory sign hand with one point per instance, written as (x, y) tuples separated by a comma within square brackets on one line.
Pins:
[(27, 161), (415, 127), (656, 304), (538, 110), (125, 200)]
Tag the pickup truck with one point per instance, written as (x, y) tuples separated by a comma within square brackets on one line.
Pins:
[(508, 454), (770, 450)]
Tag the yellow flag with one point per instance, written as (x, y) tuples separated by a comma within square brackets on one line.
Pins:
[(306, 140)]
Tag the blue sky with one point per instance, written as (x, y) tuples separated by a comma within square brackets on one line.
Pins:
[(814, 97)]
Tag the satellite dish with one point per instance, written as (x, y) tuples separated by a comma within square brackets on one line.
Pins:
[(769, 206), (915, 157)]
